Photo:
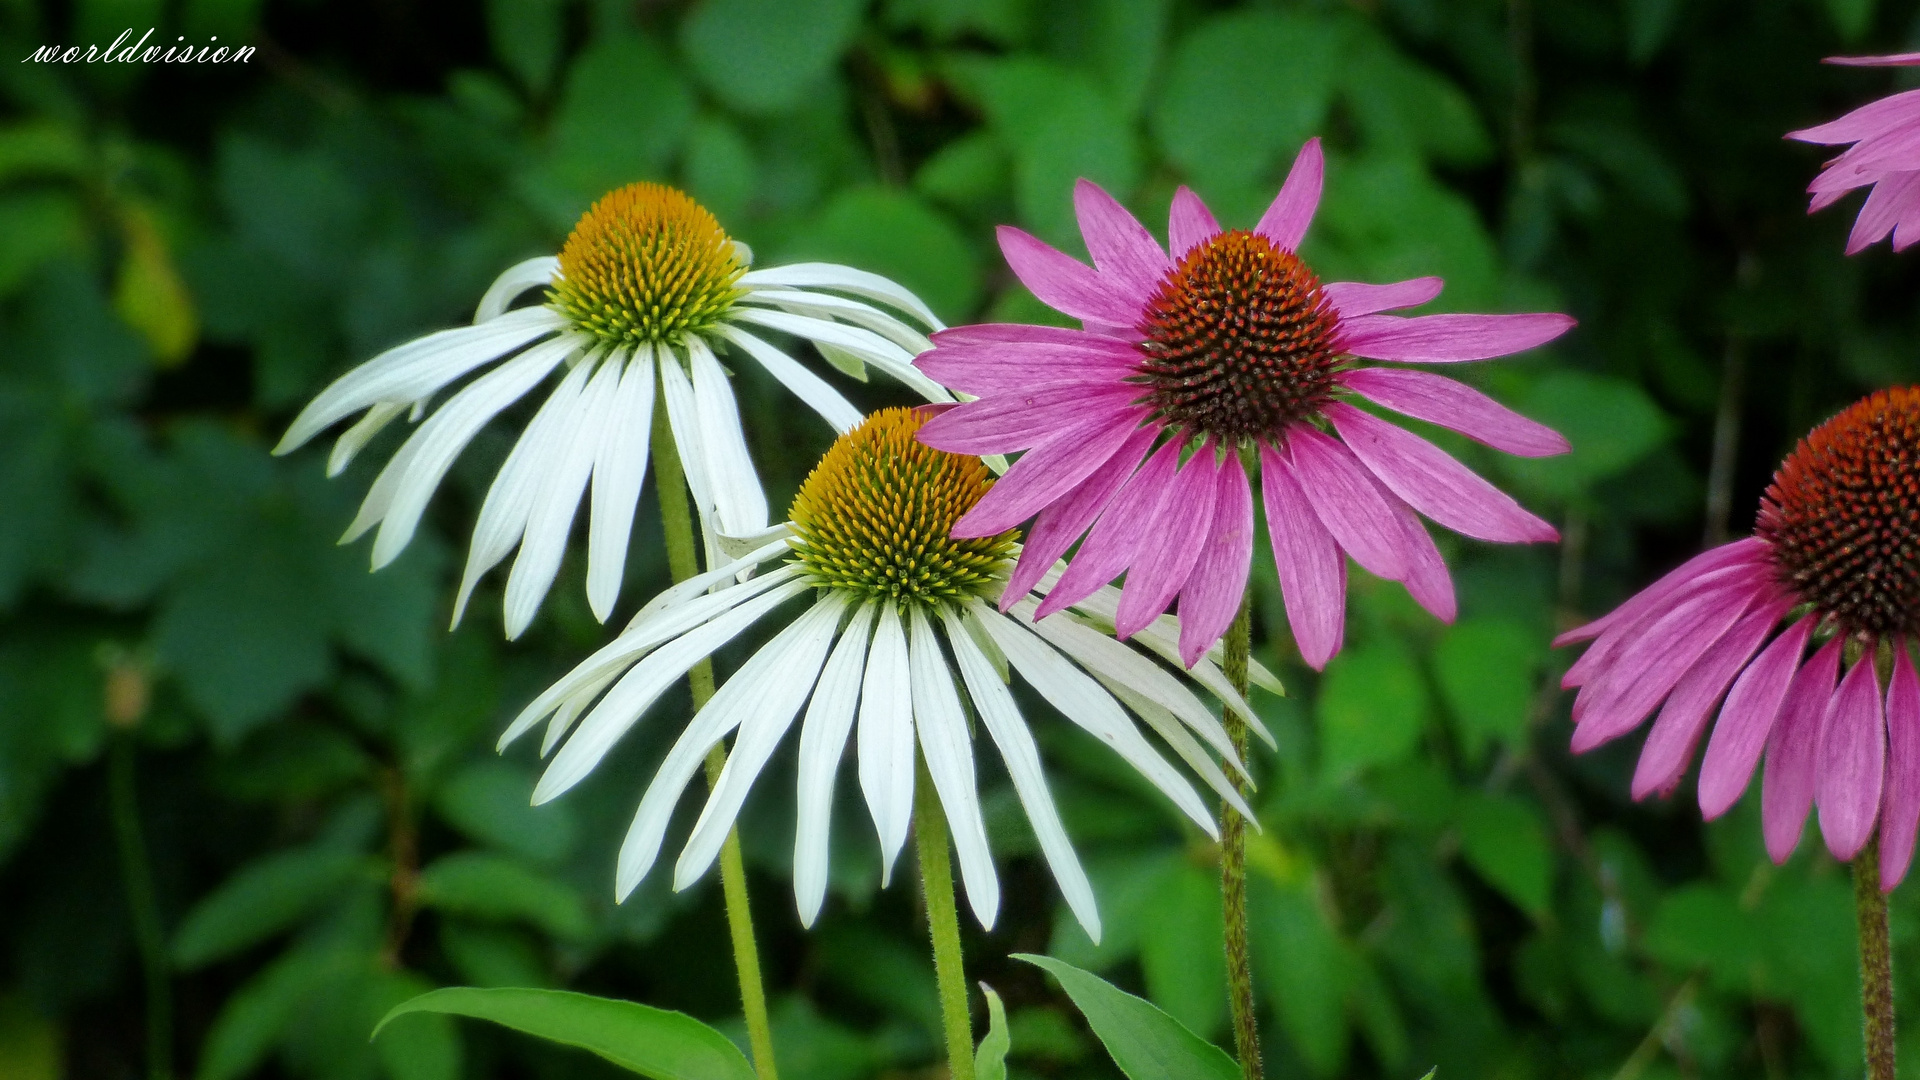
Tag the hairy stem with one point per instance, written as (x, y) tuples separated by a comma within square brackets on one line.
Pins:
[(676, 521), (1233, 859), (943, 922), (136, 874), (1876, 961)]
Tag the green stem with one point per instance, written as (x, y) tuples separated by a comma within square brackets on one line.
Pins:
[(676, 521), (136, 875), (1876, 961), (1233, 859), (943, 921)]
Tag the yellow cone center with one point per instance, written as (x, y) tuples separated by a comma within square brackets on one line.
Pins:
[(647, 264)]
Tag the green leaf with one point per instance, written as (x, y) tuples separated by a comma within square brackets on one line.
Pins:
[(895, 233), (651, 1042), (1488, 670), (1611, 423), (1401, 104), (1180, 949), (148, 292), (1851, 17), (1244, 90), (526, 37), (1305, 970), (719, 168), (764, 55), (30, 1042), (495, 887), (1385, 218), (488, 801), (45, 148), (623, 114), (253, 1018), (1145, 1042), (1372, 707), (990, 1060), (263, 899), (1505, 840), (38, 226), (1649, 24)]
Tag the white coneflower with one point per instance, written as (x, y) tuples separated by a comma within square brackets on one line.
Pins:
[(644, 291), (902, 630)]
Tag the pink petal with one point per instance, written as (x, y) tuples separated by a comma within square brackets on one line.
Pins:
[(1730, 584), (1170, 546), (1747, 718), (1428, 479), (1894, 150), (1042, 475), (1892, 60), (1900, 817), (1657, 595), (1351, 298), (1020, 334), (983, 370), (1121, 247), (1676, 731), (1189, 222), (1060, 524), (1211, 596), (1649, 667), (1792, 771), (1456, 406), (1867, 120), (1853, 761), (1286, 220), (1427, 580), (1064, 283), (1313, 575), (1348, 502), (1008, 422), (1886, 203), (1447, 339), (1119, 533)]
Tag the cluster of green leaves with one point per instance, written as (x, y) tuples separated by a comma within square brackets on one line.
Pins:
[(186, 254)]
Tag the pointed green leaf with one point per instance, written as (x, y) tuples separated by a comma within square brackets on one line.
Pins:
[(990, 1061), (1145, 1042), (651, 1042)]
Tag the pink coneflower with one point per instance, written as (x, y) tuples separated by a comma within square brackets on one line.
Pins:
[(1134, 428), (1833, 557), (1885, 155)]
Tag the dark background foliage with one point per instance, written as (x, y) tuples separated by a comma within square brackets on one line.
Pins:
[(190, 666)]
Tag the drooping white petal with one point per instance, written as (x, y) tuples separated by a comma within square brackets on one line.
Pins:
[(1176, 736), (740, 505), (865, 344), (885, 738), (842, 279), (823, 739), (640, 687), (1003, 722), (805, 385), (777, 700), (571, 708), (446, 433), (1087, 703), (701, 582), (534, 458), (735, 546), (518, 278), (355, 438), (619, 468), (416, 370), (949, 755), (828, 306), (550, 518), (738, 699)]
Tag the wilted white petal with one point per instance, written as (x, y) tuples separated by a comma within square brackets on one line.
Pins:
[(518, 278)]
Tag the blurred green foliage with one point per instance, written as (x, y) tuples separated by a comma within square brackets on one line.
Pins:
[(186, 254)]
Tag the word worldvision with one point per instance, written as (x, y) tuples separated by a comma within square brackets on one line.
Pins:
[(141, 53)]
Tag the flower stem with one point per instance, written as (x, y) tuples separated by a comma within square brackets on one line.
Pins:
[(136, 875), (676, 521), (1233, 859), (1876, 961), (943, 922)]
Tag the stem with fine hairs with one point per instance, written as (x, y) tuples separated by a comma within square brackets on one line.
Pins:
[(1233, 858)]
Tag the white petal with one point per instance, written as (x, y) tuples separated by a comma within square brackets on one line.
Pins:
[(740, 506), (700, 583), (823, 739), (510, 498), (1088, 704), (448, 431), (518, 278), (885, 738), (639, 688), (775, 701), (352, 440), (805, 385), (683, 416), (619, 468), (949, 754), (828, 306), (415, 370), (737, 700), (570, 710), (842, 279), (1183, 743), (995, 704), (735, 546), (550, 519), (636, 641), (865, 344)]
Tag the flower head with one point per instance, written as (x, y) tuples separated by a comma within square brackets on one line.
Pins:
[(1882, 156), (644, 291), (1835, 557), (896, 638), (1225, 350)]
